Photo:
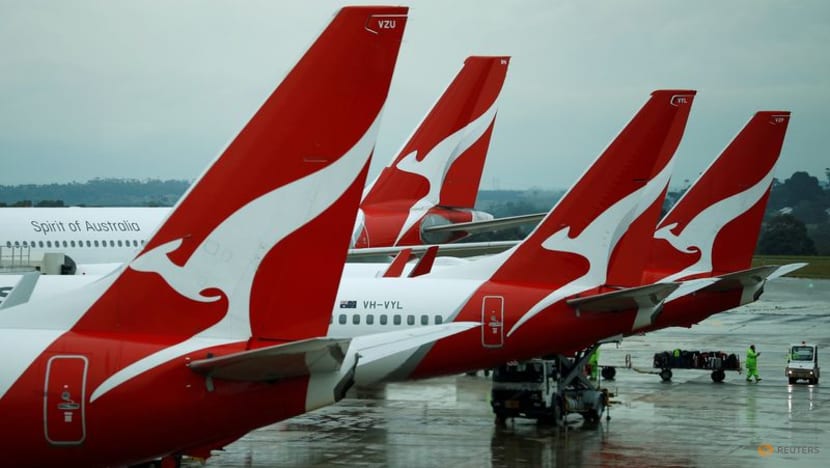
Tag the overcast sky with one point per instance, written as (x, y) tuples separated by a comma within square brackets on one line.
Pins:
[(156, 89)]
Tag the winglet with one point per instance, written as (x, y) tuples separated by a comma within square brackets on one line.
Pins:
[(424, 265), (397, 265)]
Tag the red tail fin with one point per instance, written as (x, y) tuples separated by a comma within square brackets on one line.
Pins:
[(289, 184), (627, 260), (714, 227), (577, 237), (444, 157)]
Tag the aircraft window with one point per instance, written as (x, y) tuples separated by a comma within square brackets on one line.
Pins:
[(17, 243), (88, 244), (135, 243), (65, 244), (356, 319), (49, 244), (112, 243), (439, 320), (119, 242), (40, 244), (370, 319), (341, 319), (410, 320), (25, 243), (425, 320), (95, 243), (142, 241), (80, 243), (72, 243), (383, 319), (396, 319)]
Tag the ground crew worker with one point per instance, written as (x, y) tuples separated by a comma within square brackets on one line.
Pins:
[(593, 361), (752, 364)]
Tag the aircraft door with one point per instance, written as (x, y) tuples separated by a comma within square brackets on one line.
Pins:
[(492, 322), (64, 398)]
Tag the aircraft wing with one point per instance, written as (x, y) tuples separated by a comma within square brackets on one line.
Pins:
[(283, 361), (651, 295), (469, 249), (486, 225)]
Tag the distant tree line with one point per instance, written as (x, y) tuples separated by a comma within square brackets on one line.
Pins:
[(96, 192), (796, 222)]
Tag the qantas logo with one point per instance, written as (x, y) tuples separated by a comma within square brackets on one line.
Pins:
[(436, 164), (700, 233), (228, 258), (596, 242)]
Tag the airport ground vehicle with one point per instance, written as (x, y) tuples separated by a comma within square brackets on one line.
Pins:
[(716, 361), (546, 389), (802, 363)]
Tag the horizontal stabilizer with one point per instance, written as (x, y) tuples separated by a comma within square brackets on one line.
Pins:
[(752, 276), (740, 279), (284, 361), (381, 345), (786, 269), (689, 287), (485, 225), (624, 299), (22, 290), (470, 249)]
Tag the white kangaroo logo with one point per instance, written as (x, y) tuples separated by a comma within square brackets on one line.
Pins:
[(700, 233), (596, 242), (436, 164), (228, 258)]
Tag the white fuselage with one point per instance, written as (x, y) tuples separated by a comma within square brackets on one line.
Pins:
[(364, 306), (88, 236)]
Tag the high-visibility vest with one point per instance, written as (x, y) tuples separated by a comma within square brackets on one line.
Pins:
[(751, 358)]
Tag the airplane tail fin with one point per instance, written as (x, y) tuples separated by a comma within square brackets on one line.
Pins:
[(576, 239), (714, 226), (231, 260), (443, 159), (627, 261)]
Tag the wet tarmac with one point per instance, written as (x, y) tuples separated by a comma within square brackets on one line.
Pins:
[(690, 421)]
